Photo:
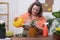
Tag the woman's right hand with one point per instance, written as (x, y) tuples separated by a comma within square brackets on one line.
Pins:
[(15, 19)]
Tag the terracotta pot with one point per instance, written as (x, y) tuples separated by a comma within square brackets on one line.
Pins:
[(33, 32), (56, 37)]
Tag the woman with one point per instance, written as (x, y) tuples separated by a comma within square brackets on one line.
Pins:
[(34, 13)]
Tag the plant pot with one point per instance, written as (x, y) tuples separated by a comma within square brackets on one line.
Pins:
[(33, 32), (56, 36), (2, 33)]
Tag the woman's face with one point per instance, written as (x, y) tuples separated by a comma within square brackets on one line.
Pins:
[(35, 10)]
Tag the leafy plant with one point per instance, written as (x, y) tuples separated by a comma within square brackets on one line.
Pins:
[(56, 14), (32, 23), (33, 30), (2, 24), (50, 22), (9, 33), (56, 31)]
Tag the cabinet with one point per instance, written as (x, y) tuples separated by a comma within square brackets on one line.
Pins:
[(4, 13)]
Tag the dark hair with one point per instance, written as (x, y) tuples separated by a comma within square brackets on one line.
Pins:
[(37, 3)]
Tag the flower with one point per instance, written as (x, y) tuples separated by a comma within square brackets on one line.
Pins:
[(1, 21), (56, 31)]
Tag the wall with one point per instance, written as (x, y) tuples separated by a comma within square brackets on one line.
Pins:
[(13, 10), (17, 7)]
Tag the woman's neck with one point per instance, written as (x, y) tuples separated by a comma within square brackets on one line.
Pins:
[(33, 17)]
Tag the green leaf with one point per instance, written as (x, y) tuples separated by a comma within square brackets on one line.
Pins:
[(56, 14)]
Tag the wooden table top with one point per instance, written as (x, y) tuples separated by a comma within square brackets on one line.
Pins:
[(33, 38)]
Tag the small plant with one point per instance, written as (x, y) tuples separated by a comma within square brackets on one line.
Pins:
[(2, 29), (2, 24), (57, 17), (56, 31), (32, 23), (33, 30), (9, 33)]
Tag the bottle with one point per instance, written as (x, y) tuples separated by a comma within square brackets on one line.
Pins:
[(45, 30)]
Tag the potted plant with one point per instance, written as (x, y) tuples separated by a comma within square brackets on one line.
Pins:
[(56, 33), (33, 30), (57, 16), (2, 29), (9, 34)]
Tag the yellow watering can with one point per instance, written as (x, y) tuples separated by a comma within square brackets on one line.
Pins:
[(18, 23)]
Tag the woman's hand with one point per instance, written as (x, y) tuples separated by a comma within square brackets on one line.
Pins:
[(15, 19)]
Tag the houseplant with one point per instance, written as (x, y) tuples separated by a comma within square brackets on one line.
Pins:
[(2, 29), (33, 30), (9, 33), (57, 16), (56, 33)]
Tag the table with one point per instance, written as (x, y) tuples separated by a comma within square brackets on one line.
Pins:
[(32, 38), (5, 39)]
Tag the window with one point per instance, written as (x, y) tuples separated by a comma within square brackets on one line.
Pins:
[(4, 13)]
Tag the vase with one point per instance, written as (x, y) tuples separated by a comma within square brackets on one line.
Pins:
[(33, 32), (56, 36), (2, 33)]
